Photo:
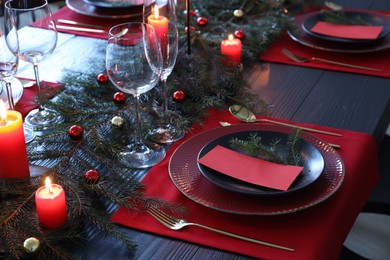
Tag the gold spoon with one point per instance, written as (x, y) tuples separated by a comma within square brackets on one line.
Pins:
[(245, 115)]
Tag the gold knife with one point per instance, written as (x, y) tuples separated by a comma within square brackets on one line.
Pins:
[(65, 21), (80, 29)]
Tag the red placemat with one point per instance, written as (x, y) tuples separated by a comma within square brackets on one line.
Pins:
[(314, 233)]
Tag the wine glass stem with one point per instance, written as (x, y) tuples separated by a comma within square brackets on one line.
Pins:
[(9, 95), (164, 102), (138, 140), (38, 83)]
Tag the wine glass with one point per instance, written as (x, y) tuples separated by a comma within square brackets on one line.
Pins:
[(134, 63), (162, 15), (9, 49), (35, 47)]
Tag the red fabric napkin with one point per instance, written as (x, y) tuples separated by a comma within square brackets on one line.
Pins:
[(314, 233), (361, 32), (260, 172), (28, 102), (66, 13)]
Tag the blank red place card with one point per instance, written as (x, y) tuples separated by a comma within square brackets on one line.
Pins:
[(357, 32), (250, 169)]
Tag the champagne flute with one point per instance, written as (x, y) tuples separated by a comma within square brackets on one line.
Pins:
[(133, 63), (35, 47), (9, 49), (162, 15)]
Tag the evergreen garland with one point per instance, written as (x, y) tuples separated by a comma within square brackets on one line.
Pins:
[(84, 102)]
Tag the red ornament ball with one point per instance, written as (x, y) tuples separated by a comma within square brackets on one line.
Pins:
[(119, 98), (179, 96), (92, 177), (240, 34), (202, 21), (75, 132), (102, 78), (193, 13)]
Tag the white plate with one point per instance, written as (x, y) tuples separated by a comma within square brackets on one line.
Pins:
[(17, 91)]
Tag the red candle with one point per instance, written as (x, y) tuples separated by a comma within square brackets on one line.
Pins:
[(231, 48), (51, 205), (13, 154), (160, 24)]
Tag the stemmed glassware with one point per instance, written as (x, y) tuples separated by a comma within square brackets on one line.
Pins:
[(9, 49), (35, 47), (134, 63), (162, 15)]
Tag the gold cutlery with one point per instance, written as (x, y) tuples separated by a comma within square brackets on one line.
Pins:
[(247, 116), (65, 21), (80, 29), (295, 58), (222, 123), (176, 224)]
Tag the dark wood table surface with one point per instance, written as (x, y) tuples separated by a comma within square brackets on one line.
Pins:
[(335, 99)]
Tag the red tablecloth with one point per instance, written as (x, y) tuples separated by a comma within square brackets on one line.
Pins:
[(314, 233)]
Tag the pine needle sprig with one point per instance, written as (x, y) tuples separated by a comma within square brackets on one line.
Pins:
[(275, 151)]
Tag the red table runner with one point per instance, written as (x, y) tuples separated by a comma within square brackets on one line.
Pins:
[(28, 102), (314, 233)]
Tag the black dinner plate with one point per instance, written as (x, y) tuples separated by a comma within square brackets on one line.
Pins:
[(114, 3), (372, 19), (312, 161)]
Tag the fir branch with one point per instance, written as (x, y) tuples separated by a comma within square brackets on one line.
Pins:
[(275, 151)]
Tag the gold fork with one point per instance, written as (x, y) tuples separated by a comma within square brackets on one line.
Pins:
[(176, 224), (295, 58)]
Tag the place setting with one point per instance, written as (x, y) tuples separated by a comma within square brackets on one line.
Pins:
[(332, 38), (107, 9)]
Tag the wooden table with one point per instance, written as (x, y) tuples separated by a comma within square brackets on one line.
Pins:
[(334, 99)]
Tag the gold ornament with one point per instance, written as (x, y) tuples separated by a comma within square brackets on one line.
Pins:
[(238, 13), (117, 121), (31, 245)]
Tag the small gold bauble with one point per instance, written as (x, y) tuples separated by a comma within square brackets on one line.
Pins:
[(117, 121), (31, 245), (238, 13)]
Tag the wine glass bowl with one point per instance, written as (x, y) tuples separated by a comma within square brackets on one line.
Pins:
[(162, 15), (133, 64), (35, 47)]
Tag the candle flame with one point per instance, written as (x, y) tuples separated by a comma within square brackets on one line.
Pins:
[(48, 184), (3, 113), (156, 13), (230, 37)]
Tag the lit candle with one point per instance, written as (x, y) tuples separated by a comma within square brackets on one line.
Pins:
[(232, 49), (160, 24), (13, 154), (51, 205)]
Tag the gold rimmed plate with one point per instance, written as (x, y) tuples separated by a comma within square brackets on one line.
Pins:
[(186, 176)]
